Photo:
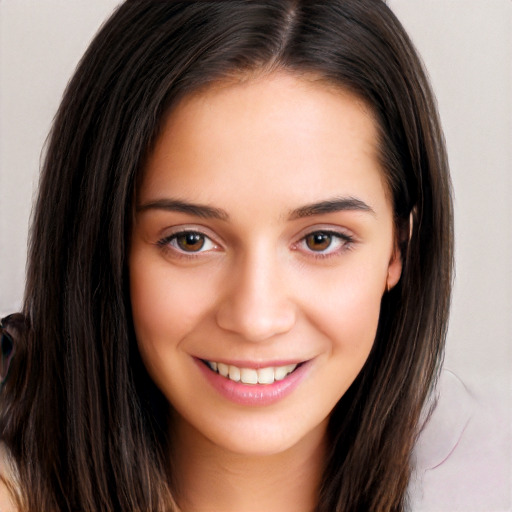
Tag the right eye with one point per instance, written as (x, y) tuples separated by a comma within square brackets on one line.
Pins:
[(325, 243), (188, 242)]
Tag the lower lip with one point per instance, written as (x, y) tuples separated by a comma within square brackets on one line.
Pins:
[(254, 394)]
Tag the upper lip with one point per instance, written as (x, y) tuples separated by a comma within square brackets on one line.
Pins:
[(254, 364)]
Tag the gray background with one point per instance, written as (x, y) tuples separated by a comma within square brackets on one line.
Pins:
[(467, 49)]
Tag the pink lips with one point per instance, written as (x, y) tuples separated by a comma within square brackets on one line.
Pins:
[(254, 394)]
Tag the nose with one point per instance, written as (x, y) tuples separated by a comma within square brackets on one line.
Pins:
[(256, 305)]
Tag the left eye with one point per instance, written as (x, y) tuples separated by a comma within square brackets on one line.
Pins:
[(190, 241), (325, 242)]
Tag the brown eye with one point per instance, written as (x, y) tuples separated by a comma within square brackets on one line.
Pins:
[(190, 242), (326, 243), (318, 241)]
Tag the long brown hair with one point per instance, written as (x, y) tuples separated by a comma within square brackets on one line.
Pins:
[(79, 415)]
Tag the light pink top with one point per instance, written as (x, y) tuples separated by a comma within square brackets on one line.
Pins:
[(463, 456)]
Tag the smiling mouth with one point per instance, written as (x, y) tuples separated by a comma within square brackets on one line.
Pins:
[(267, 375)]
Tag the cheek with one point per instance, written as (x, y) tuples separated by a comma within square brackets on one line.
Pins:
[(347, 312), (166, 305)]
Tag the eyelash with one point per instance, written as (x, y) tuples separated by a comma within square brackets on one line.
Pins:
[(345, 241), (168, 243)]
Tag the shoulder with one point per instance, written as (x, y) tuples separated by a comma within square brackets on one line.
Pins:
[(462, 455), (443, 430), (6, 480)]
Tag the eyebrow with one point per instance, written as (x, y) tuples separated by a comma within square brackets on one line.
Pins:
[(336, 204), (209, 212), (172, 205)]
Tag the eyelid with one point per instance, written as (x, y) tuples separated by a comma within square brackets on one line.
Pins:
[(346, 237), (175, 231), (341, 231), (190, 228), (344, 234)]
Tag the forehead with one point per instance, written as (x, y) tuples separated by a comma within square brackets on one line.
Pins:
[(288, 133)]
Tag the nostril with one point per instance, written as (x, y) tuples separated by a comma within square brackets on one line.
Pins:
[(255, 325)]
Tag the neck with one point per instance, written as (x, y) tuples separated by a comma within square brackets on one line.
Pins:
[(208, 477)]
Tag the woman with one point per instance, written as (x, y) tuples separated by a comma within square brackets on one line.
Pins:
[(249, 257)]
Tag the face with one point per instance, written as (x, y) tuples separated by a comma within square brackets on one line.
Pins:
[(262, 244)]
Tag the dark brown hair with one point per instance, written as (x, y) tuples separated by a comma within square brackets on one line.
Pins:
[(79, 415)]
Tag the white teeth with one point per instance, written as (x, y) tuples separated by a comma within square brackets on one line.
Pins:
[(291, 367), (266, 375), (281, 372), (234, 373), (223, 369), (248, 376)]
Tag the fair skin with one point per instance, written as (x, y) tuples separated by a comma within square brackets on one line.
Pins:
[(263, 239)]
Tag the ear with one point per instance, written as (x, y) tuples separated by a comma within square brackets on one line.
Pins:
[(394, 268), (396, 261)]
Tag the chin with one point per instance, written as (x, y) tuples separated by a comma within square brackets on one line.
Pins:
[(263, 438)]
